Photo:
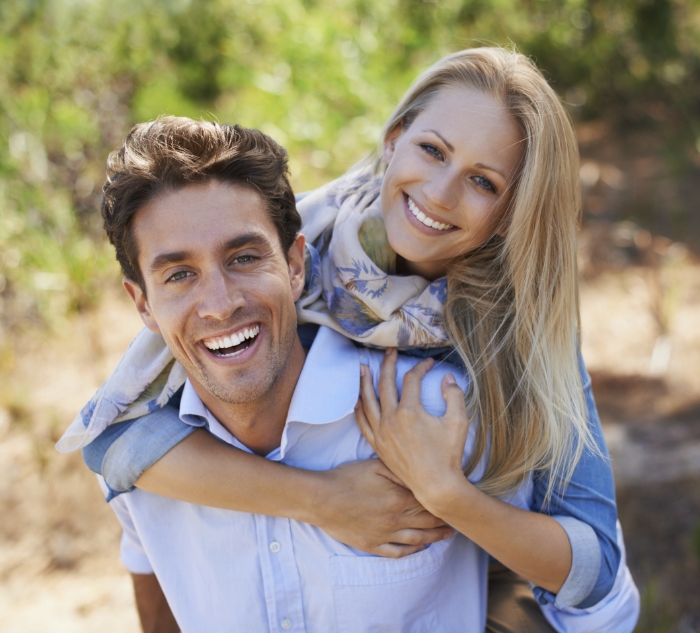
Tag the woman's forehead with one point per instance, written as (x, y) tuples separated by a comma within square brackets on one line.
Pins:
[(469, 119)]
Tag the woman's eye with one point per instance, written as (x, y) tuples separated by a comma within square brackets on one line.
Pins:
[(178, 276), (432, 151), (485, 184)]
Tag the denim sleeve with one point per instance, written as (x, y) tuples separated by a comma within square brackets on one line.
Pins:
[(587, 512), (123, 451)]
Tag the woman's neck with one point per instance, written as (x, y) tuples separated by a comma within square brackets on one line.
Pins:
[(428, 270)]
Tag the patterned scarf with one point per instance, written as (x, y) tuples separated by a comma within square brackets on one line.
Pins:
[(351, 286)]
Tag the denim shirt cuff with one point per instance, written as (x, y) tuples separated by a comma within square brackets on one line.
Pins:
[(585, 565), (139, 448)]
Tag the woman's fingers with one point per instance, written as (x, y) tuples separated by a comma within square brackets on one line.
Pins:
[(364, 424), (392, 550), (410, 541), (410, 394), (370, 404), (388, 394), (454, 398), (413, 537)]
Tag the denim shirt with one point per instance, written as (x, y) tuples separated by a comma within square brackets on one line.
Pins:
[(586, 510)]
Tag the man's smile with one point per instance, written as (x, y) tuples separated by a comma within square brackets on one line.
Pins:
[(232, 344)]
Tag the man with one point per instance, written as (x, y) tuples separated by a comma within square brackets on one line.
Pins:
[(216, 265)]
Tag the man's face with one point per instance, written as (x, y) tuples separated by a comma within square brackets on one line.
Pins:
[(219, 288)]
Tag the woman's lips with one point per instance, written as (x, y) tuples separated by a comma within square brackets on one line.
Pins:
[(417, 217)]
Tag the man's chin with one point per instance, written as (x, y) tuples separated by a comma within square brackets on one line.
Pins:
[(234, 389)]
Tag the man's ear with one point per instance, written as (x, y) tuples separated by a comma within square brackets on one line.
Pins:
[(139, 298), (390, 143), (297, 270)]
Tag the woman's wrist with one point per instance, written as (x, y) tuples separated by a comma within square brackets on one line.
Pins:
[(440, 497), (306, 495)]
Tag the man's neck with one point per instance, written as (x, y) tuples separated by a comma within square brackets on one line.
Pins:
[(259, 424)]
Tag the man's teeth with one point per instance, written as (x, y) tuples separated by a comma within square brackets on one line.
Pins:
[(233, 340), (425, 219)]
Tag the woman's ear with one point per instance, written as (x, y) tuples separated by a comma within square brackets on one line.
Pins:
[(390, 143)]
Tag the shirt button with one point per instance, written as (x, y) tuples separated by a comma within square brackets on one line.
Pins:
[(274, 548), (286, 624)]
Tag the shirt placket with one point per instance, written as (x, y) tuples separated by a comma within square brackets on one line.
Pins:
[(282, 584)]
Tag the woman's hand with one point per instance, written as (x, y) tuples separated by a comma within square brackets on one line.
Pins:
[(423, 451), (363, 506)]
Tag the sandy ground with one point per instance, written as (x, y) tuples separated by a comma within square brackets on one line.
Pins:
[(59, 566)]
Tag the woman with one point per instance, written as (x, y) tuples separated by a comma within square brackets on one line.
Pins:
[(478, 182)]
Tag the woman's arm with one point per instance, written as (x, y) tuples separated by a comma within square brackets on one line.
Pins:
[(425, 452), (358, 503), (587, 510)]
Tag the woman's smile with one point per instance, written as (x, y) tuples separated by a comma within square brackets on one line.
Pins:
[(426, 219)]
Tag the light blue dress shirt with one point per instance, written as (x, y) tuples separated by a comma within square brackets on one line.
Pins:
[(233, 571)]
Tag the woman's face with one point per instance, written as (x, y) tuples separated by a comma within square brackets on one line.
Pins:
[(448, 178)]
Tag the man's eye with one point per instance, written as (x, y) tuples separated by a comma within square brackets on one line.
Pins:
[(178, 276), (485, 184), (243, 259), (432, 151)]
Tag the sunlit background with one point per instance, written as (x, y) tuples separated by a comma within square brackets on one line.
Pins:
[(321, 78)]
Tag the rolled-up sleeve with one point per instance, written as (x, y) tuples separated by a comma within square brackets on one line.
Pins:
[(588, 513), (124, 451)]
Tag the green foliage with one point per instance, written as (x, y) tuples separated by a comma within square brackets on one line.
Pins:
[(695, 540), (320, 77)]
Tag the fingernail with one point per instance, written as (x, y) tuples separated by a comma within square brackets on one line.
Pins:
[(450, 379), (363, 370)]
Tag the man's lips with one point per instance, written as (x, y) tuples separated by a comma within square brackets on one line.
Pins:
[(233, 343)]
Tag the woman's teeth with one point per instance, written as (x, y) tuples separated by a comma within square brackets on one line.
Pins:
[(228, 342), (426, 220)]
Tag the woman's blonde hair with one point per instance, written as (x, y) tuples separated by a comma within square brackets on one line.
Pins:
[(512, 305)]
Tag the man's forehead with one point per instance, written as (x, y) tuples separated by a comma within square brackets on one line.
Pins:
[(206, 216)]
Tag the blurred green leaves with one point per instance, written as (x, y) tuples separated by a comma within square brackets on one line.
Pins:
[(320, 77)]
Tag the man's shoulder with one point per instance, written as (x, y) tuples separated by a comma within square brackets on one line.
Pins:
[(406, 362)]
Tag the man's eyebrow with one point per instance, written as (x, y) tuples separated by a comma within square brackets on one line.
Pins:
[(247, 239), (162, 260), (240, 241)]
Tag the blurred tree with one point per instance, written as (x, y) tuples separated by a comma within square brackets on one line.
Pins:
[(320, 77)]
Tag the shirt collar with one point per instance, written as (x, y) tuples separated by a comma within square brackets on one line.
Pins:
[(327, 391), (329, 384), (194, 412)]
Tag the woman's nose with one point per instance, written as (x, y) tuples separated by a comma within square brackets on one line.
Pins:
[(220, 297), (442, 190)]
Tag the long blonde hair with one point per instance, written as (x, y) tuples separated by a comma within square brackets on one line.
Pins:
[(512, 305)]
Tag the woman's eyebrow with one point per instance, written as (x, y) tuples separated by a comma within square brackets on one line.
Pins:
[(498, 171), (442, 138), (452, 149)]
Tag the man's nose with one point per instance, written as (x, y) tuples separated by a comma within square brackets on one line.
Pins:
[(442, 190), (220, 296)]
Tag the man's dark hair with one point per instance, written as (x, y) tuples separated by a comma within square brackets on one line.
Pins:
[(173, 152)]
